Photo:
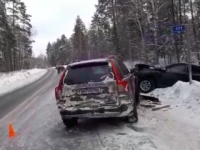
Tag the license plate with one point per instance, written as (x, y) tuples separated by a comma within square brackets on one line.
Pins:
[(89, 91)]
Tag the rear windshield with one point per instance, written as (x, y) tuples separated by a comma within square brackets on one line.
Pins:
[(84, 73)]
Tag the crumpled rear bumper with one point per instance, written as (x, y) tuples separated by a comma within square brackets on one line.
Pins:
[(100, 112)]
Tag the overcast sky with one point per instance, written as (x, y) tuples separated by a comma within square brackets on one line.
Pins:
[(52, 18)]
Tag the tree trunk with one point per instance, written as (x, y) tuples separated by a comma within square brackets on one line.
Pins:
[(115, 34), (175, 40), (180, 21), (14, 50), (194, 31), (155, 24)]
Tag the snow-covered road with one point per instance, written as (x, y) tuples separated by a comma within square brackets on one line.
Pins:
[(39, 127), (172, 127)]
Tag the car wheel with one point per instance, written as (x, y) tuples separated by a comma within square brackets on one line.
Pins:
[(69, 123), (146, 85)]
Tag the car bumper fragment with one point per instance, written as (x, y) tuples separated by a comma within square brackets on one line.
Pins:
[(100, 112)]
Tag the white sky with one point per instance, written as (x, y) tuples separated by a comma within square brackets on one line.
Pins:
[(52, 18)]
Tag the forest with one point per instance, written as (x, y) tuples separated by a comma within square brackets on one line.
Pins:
[(137, 30), (16, 34)]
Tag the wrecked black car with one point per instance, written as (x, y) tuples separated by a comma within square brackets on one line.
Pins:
[(98, 88), (150, 77)]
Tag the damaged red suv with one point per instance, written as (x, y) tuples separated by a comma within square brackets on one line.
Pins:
[(98, 88)]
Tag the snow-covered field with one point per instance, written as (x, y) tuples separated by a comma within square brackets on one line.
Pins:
[(15, 80), (178, 126)]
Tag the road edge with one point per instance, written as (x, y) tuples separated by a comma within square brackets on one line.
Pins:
[(20, 87)]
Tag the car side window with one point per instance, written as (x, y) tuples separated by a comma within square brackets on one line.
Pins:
[(177, 69), (196, 70), (123, 68)]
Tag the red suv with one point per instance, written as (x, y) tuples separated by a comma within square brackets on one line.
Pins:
[(97, 88)]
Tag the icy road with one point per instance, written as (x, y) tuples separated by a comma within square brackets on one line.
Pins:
[(35, 118)]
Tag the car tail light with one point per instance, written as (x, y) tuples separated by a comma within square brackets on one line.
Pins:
[(58, 92), (121, 85), (121, 88), (59, 88)]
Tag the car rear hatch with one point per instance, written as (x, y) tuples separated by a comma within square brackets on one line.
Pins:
[(90, 85)]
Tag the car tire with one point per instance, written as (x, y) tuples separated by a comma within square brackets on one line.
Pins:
[(146, 85), (69, 123)]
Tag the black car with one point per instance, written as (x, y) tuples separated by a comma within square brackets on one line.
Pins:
[(98, 88), (150, 77)]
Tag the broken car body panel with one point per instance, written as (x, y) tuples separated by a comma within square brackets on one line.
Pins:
[(94, 99)]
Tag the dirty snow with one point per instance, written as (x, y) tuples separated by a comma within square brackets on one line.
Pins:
[(178, 126), (15, 80), (175, 127), (182, 94), (128, 138)]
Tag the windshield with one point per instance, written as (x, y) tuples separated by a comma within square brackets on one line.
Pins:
[(93, 72)]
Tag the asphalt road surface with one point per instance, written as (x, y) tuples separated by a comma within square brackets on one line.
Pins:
[(34, 115)]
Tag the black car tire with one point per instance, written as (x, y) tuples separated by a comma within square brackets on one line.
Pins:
[(69, 123), (146, 85)]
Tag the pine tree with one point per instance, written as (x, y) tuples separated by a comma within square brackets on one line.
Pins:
[(139, 30), (79, 40), (16, 35)]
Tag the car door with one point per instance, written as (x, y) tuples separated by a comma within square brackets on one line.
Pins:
[(174, 73), (196, 72)]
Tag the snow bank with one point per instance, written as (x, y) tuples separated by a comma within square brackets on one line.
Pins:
[(127, 137), (15, 80), (181, 94), (178, 126)]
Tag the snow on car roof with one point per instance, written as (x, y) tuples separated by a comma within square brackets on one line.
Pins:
[(89, 61)]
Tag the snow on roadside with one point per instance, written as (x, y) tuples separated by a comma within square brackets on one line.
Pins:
[(181, 94), (129, 139), (18, 79), (178, 127)]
